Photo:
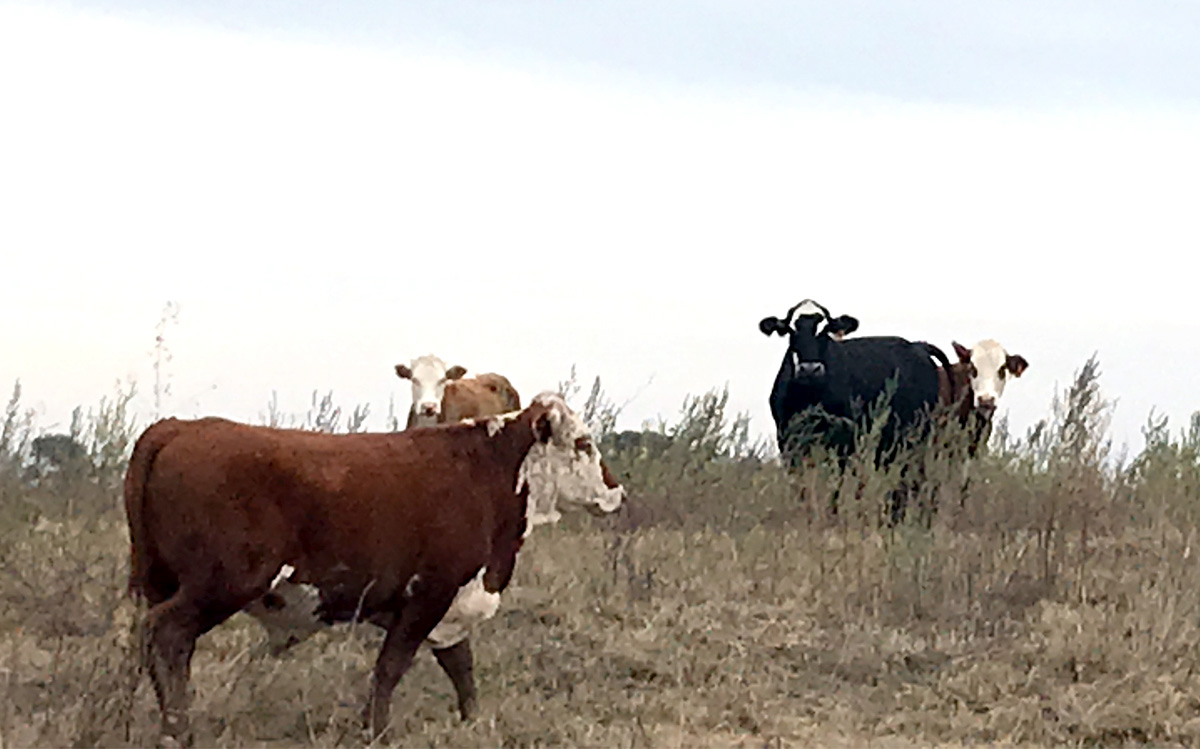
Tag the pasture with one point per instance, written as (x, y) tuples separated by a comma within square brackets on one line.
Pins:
[(1057, 603)]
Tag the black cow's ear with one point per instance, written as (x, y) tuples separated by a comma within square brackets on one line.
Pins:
[(844, 325), (403, 372), (772, 325), (964, 353)]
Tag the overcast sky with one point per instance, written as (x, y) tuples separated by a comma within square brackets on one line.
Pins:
[(327, 189)]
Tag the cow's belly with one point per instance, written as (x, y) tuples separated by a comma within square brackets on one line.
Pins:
[(289, 613)]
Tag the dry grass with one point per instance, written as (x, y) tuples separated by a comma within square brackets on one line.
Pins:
[(1059, 605)]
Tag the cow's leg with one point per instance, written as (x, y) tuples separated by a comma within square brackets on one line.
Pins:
[(417, 619), (171, 631), (456, 661), (964, 484), (172, 628)]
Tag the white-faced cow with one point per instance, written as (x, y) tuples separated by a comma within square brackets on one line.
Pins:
[(831, 384), (442, 395), (971, 392), (979, 377), (398, 529), (429, 376)]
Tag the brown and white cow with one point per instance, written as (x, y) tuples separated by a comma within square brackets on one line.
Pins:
[(392, 528), (286, 611), (979, 377), (441, 395)]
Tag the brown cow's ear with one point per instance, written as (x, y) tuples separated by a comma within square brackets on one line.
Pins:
[(964, 353), (1016, 364), (403, 372), (455, 372), (543, 427)]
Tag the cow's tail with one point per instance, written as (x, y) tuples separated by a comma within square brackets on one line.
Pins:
[(940, 355), (145, 450), (500, 385)]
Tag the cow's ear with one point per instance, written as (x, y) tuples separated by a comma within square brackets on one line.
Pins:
[(772, 326), (964, 353), (543, 427), (843, 325), (1016, 364), (455, 372), (403, 372)]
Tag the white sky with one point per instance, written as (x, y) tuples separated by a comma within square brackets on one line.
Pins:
[(323, 207)]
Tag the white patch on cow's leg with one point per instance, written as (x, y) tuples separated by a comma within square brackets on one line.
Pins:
[(472, 604), (285, 573), (288, 611)]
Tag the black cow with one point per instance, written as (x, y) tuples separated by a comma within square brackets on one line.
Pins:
[(826, 386)]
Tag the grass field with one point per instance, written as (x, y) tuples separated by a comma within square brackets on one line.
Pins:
[(1057, 603)]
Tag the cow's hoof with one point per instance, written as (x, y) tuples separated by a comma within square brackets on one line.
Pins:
[(467, 710)]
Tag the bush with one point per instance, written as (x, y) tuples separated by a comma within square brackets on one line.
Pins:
[(1057, 600)]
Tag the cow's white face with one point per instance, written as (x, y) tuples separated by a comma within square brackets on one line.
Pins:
[(989, 367), (429, 376), (564, 464)]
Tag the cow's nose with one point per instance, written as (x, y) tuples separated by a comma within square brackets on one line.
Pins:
[(814, 368), (429, 409), (987, 403)]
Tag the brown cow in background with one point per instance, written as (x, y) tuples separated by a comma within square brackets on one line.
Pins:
[(488, 394), (395, 528)]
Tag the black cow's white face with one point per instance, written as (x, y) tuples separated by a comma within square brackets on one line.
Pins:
[(810, 330), (807, 348)]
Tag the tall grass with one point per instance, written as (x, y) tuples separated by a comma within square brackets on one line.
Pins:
[(1054, 600)]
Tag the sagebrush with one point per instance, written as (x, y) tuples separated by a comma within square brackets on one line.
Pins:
[(1054, 600)]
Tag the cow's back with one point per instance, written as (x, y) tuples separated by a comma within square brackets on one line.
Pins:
[(859, 370)]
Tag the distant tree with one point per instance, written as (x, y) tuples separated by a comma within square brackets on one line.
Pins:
[(58, 453)]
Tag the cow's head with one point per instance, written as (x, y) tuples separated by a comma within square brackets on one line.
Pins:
[(429, 376), (988, 367), (810, 330), (564, 464)]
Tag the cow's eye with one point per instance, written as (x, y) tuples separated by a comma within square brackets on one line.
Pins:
[(1003, 373), (584, 444), (974, 372)]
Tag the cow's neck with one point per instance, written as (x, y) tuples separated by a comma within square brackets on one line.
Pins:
[(509, 445)]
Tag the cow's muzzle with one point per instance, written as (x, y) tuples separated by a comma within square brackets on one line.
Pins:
[(811, 368)]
